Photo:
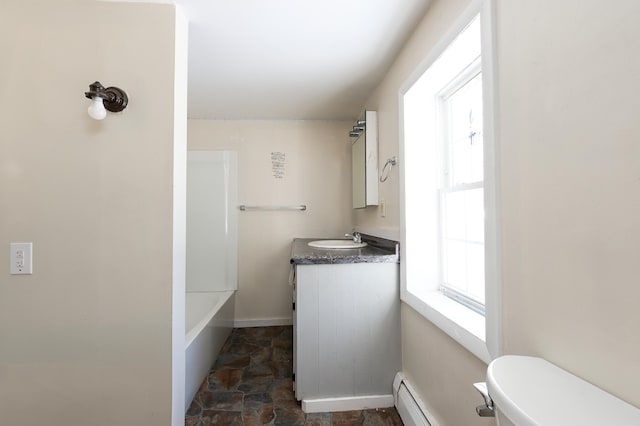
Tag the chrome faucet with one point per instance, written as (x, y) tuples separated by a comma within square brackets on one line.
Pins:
[(357, 238)]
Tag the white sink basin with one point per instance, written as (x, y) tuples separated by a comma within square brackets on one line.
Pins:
[(336, 244)]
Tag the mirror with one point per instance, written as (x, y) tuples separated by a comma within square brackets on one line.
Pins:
[(358, 170), (364, 161)]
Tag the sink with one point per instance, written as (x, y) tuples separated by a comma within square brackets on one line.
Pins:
[(336, 244)]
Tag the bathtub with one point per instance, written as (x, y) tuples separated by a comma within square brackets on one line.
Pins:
[(208, 323)]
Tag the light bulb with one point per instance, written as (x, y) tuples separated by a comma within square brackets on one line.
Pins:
[(96, 109)]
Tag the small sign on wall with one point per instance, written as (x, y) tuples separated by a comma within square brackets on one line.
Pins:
[(277, 164)]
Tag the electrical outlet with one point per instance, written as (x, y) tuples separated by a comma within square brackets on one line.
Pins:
[(21, 255), (383, 209)]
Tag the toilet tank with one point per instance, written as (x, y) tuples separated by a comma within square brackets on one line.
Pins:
[(532, 391)]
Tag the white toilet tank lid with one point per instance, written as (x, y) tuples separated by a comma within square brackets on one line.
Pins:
[(532, 391)]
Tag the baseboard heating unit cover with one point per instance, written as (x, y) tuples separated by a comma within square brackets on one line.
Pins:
[(412, 410)]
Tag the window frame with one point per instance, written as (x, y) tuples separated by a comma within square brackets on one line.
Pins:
[(480, 335), (446, 183)]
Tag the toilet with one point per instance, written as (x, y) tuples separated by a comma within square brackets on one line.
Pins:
[(527, 391)]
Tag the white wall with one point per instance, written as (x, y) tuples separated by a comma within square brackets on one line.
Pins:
[(569, 84), (87, 339), (317, 174), (567, 125)]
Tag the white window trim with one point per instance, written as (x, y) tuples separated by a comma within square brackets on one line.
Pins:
[(446, 185), (480, 335)]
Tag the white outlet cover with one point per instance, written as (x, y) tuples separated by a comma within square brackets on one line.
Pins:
[(21, 255)]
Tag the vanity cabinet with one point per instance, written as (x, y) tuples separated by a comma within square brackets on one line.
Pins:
[(364, 161), (346, 335)]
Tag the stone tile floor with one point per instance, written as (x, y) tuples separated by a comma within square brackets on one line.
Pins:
[(250, 384)]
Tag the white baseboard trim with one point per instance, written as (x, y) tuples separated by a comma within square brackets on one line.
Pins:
[(347, 403), (271, 322)]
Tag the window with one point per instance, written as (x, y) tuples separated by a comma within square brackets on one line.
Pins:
[(449, 221), (461, 195)]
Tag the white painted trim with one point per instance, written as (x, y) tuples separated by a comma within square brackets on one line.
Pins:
[(461, 323), (493, 221), (347, 403), (178, 355), (444, 315), (271, 322)]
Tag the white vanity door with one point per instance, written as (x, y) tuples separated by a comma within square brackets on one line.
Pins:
[(347, 329)]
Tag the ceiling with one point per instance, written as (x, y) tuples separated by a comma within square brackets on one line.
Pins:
[(291, 59)]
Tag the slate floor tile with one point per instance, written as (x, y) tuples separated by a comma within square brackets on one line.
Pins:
[(251, 384)]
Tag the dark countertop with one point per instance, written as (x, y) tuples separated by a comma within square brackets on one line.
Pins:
[(378, 250)]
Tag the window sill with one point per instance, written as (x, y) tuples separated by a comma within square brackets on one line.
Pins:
[(461, 323)]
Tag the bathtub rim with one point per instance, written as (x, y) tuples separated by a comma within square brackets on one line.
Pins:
[(191, 335)]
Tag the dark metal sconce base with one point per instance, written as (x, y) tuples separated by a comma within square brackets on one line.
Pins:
[(114, 98)]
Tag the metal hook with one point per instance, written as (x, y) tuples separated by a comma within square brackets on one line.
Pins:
[(387, 171)]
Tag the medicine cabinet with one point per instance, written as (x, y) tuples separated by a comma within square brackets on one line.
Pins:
[(364, 160)]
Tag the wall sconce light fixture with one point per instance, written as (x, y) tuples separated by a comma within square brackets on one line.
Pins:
[(102, 100)]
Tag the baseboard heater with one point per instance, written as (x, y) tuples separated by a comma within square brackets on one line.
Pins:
[(412, 410)]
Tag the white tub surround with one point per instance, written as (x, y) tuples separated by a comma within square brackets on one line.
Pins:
[(208, 324), (212, 221), (212, 260)]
